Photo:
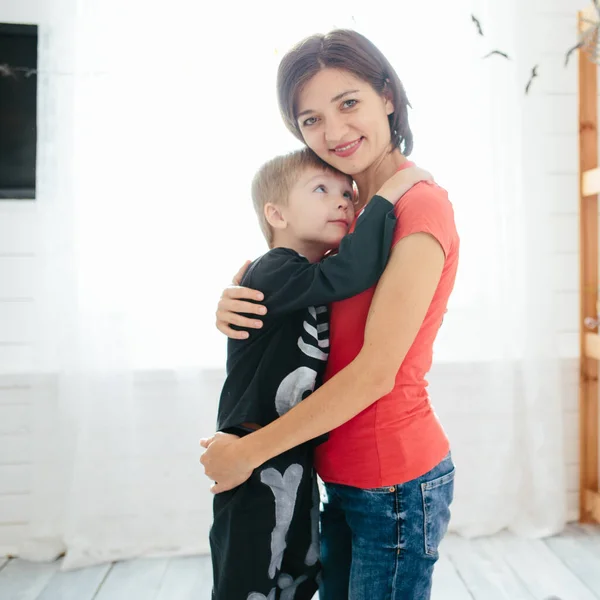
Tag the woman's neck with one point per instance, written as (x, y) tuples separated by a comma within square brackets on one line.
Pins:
[(371, 180)]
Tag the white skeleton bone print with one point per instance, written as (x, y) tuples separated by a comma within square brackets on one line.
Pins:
[(290, 392), (258, 596), (285, 489), (285, 583), (314, 551), (294, 386), (289, 586)]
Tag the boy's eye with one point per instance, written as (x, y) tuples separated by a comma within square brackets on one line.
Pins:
[(349, 103), (321, 188), (348, 195)]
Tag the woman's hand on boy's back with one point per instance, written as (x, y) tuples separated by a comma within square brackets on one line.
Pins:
[(233, 304), (223, 463), (402, 181)]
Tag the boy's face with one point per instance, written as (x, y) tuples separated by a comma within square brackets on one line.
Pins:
[(320, 207)]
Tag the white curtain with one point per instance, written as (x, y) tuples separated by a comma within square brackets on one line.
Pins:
[(147, 152)]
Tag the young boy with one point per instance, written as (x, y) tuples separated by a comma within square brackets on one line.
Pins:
[(265, 534)]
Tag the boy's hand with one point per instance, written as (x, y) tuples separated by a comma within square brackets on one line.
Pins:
[(402, 181), (232, 303)]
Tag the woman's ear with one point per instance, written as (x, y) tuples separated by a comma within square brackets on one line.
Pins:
[(274, 216), (388, 98)]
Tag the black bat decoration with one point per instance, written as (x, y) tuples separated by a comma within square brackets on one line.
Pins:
[(534, 74), (589, 41), (498, 52), (477, 24), (571, 50)]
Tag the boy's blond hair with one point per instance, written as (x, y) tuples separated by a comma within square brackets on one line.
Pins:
[(274, 181)]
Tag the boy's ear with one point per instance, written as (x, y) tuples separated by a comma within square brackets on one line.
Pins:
[(274, 216)]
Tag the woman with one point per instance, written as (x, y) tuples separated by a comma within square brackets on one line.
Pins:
[(386, 466)]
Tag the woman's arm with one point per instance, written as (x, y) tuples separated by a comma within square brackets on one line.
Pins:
[(399, 306), (237, 300)]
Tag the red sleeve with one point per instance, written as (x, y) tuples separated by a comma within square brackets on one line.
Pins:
[(426, 209)]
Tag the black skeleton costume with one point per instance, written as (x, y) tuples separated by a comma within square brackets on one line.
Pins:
[(265, 534)]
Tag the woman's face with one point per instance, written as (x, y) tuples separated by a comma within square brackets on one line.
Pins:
[(344, 120)]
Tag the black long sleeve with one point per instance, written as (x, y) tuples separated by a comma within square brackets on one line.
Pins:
[(290, 282), (282, 362)]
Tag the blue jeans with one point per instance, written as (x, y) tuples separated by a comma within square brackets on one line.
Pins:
[(382, 544)]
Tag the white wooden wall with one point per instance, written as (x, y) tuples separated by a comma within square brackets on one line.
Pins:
[(19, 391)]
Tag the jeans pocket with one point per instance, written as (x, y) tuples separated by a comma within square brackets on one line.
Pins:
[(437, 498)]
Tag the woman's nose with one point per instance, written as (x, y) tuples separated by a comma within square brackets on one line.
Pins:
[(335, 130)]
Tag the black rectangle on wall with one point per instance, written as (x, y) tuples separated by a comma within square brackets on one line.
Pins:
[(18, 111)]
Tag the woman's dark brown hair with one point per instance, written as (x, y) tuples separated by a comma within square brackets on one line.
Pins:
[(348, 50)]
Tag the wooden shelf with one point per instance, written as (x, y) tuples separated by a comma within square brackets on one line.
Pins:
[(591, 183), (589, 343), (592, 346), (592, 500)]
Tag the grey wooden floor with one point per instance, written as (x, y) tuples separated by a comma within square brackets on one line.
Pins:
[(501, 567)]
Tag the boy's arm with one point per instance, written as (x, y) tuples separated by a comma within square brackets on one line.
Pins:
[(238, 307), (290, 282)]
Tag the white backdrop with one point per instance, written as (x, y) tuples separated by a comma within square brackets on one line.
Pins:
[(150, 216)]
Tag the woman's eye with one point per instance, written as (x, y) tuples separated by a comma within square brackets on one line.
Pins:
[(349, 103), (308, 122)]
